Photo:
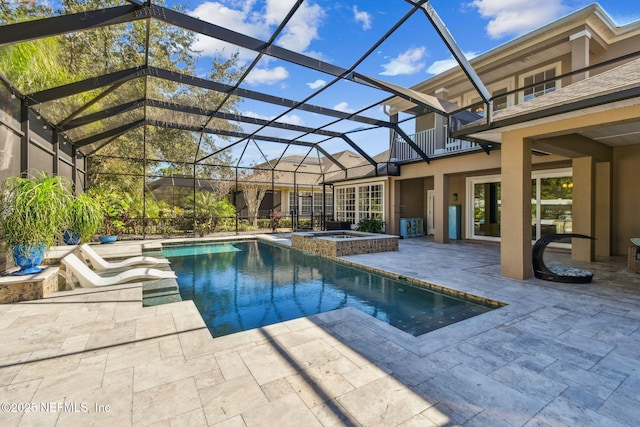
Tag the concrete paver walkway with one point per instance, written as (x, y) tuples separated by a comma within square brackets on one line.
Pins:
[(555, 355)]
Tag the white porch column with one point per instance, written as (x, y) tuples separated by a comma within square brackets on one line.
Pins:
[(515, 226)]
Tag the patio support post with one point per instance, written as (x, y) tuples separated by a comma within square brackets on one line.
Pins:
[(193, 189), (441, 223), (603, 209), (311, 211), (393, 118), (74, 169), (583, 209), (144, 184), (323, 220), (441, 133), (515, 225), (56, 152), (235, 200), (26, 135), (294, 210)]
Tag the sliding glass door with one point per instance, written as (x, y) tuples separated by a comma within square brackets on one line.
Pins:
[(551, 204), (486, 209)]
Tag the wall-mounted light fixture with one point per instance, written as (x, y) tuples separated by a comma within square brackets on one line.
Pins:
[(13, 95), (455, 197)]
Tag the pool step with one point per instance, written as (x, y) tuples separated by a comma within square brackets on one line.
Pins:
[(160, 292), (159, 300)]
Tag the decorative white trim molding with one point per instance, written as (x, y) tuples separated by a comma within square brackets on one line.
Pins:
[(583, 33)]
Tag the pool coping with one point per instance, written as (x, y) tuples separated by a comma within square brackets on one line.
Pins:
[(451, 292)]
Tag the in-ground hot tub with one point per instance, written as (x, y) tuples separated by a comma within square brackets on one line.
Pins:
[(333, 244)]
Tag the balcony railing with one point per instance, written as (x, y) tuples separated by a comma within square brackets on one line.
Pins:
[(426, 140)]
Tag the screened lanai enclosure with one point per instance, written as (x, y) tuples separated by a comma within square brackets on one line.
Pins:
[(158, 107)]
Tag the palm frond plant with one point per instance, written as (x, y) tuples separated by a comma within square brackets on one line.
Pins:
[(84, 219), (210, 210), (33, 215)]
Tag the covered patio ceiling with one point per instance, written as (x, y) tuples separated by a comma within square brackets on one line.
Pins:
[(93, 112)]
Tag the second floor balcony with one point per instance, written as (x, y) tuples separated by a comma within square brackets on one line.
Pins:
[(428, 142)]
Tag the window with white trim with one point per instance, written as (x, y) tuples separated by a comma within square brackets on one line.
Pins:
[(499, 97), (370, 201), (359, 202), (345, 204), (537, 83), (307, 200)]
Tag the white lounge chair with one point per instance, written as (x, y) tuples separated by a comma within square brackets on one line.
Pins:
[(98, 263), (88, 278)]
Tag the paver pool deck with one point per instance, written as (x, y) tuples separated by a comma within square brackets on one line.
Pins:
[(556, 355)]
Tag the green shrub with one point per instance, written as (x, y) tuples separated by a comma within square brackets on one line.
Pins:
[(370, 225), (85, 216)]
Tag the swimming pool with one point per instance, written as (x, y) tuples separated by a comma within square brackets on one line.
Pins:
[(244, 285)]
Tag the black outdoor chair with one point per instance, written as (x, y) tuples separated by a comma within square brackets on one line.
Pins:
[(556, 273)]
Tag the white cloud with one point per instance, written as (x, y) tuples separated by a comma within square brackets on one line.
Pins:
[(245, 18), (255, 115), (438, 67), (317, 84), (363, 17), (409, 62), (303, 27), (515, 17), (267, 76), (240, 20), (291, 119), (344, 107)]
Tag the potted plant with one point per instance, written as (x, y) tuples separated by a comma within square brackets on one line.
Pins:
[(111, 204), (33, 214), (84, 219)]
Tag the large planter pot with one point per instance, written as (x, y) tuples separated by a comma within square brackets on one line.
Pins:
[(107, 239), (71, 238), (28, 259)]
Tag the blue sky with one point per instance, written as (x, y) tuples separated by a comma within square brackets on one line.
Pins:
[(340, 32)]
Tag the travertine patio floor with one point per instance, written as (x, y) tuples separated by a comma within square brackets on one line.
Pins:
[(555, 355)]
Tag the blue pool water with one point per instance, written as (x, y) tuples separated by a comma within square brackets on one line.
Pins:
[(245, 285)]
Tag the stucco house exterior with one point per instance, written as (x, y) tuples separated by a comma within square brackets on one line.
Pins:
[(558, 151)]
